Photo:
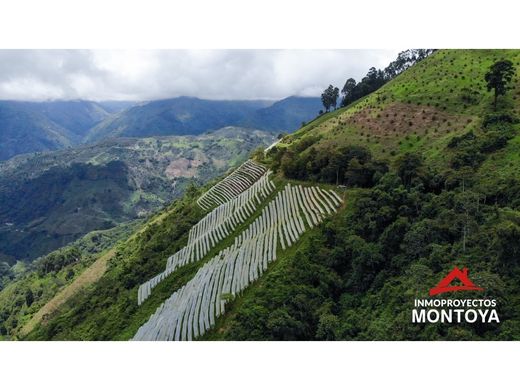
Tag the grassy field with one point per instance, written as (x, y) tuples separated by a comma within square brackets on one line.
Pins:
[(420, 110)]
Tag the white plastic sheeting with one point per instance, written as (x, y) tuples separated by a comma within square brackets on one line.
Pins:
[(211, 229), (193, 309), (232, 185)]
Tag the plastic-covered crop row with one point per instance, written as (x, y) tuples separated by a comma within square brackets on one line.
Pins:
[(193, 309), (232, 185), (211, 229)]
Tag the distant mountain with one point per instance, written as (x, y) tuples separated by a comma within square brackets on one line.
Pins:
[(287, 114), (76, 116), (50, 199), (187, 115), (27, 127), (113, 106), (178, 116)]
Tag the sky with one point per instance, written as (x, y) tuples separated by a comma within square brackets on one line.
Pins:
[(143, 75)]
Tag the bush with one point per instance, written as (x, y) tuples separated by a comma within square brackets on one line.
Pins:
[(495, 118)]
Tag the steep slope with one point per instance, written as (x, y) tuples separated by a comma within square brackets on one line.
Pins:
[(432, 177), (420, 110), (37, 289), (24, 131), (429, 177), (99, 186), (77, 116), (187, 115), (292, 211)]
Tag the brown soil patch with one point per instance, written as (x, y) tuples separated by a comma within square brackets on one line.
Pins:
[(183, 167), (400, 118)]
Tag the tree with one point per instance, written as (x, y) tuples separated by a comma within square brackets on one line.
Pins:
[(328, 327), (499, 76), (329, 97), (408, 167), (348, 88), (29, 297), (326, 98), (334, 97), (404, 60)]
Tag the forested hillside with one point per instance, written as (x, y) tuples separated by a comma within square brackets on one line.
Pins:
[(27, 127), (427, 170), (50, 199), (431, 168)]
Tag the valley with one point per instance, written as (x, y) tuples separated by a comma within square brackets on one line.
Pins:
[(329, 234), (50, 199)]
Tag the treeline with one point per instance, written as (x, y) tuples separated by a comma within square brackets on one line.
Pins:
[(471, 148), (351, 165), (374, 79)]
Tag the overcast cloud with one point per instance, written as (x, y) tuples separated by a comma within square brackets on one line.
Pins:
[(156, 74)]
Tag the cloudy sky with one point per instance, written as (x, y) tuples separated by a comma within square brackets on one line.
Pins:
[(157, 74)]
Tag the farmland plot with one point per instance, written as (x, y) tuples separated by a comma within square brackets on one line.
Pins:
[(193, 309), (232, 185), (211, 229)]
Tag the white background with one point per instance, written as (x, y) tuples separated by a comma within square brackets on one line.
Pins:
[(258, 24)]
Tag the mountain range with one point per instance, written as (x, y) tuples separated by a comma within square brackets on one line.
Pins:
[(27, 127), (425, 171)]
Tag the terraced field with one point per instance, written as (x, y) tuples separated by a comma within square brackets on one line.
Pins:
[(193, 309)]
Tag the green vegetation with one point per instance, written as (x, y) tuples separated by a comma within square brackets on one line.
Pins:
[(357, 276), (30, 287), (498, 78), (376, 78), (431, 173), (100, 186), (329, 97)]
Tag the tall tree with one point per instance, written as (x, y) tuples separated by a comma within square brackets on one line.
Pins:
[(499, 76), (29, 297), (326, 98), (409, 166), (348, 88), (334, 97)]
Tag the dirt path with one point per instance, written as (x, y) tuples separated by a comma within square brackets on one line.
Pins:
[(91, 275)]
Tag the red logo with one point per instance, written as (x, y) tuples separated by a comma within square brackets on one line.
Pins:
[(444, 284)]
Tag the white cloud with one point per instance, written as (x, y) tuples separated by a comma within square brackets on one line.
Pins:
[(156, 74)]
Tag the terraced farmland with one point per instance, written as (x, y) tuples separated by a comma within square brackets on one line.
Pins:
[(193, 309), (215, 226), (232, 185)]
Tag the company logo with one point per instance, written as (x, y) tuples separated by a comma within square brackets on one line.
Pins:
[(445, 284), (448, 310)]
